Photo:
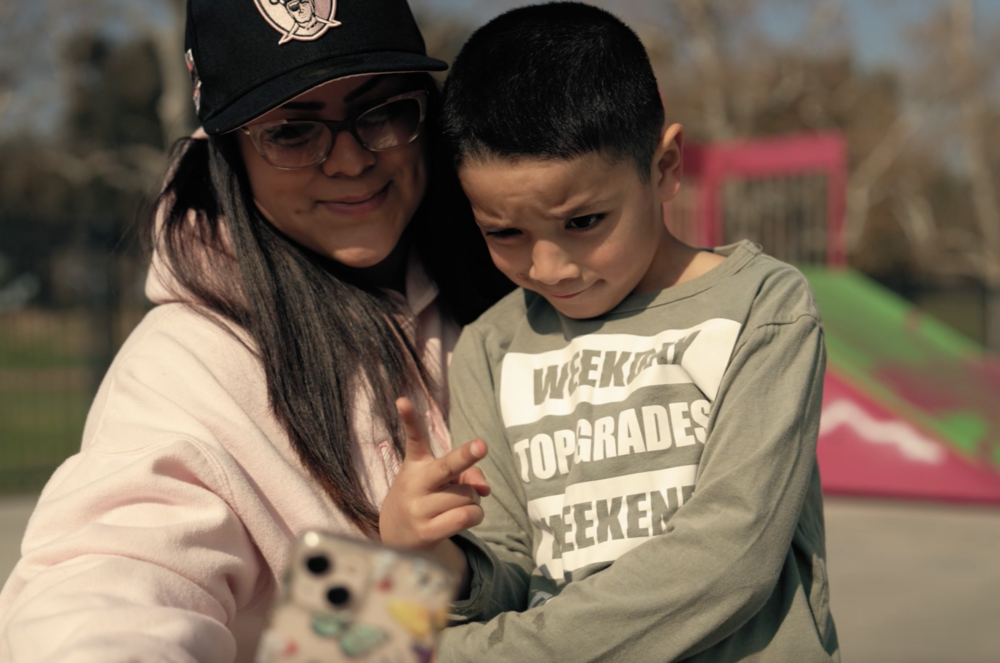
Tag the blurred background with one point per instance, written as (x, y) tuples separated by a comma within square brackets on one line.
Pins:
[(857, 139)]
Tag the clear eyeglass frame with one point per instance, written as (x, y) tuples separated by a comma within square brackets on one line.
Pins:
[(257, 132)]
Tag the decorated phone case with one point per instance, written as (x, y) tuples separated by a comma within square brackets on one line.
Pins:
[(349, 600)]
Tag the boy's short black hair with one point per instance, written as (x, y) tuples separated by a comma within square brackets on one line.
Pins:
[(554, 81)]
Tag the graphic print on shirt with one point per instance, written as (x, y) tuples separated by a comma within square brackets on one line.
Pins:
[(639, 404)]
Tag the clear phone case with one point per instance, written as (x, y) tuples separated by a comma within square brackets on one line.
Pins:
[(349, 600)]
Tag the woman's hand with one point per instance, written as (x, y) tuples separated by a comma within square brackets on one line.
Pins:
[(432, 499)]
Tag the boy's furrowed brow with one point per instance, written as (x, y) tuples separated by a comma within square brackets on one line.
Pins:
[(586, 207), (491, 226)]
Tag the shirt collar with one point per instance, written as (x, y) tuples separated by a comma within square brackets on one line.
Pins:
[(421, 291)]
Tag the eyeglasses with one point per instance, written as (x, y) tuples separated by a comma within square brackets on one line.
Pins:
[(291, 144)]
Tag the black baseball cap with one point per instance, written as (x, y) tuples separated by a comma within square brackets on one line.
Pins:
[(250, 56)]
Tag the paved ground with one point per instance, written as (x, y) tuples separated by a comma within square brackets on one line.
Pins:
[(914, 583), (909, 582)]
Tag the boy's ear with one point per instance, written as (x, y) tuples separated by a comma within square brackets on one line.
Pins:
[(667, 162)]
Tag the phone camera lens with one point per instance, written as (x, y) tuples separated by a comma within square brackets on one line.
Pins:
[(338, 596), (318, 564)]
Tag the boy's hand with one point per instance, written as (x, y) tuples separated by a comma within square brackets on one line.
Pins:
[(431, 498)]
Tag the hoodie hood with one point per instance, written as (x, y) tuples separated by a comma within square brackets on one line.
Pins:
[(162, 285)]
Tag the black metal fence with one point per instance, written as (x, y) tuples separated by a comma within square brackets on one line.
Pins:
[(70, 291)]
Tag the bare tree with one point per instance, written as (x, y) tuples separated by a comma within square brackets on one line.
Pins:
[(866, 178), (704, 22), (175, 107), (127, 166), (969, 86)]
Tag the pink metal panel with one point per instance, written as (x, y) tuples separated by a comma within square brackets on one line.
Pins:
[(708, 167), (864, 449)]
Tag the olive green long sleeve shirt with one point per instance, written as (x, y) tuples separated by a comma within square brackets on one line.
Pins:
[(655, 490)]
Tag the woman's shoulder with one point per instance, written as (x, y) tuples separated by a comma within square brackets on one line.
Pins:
[(177, 337), (178, 373)]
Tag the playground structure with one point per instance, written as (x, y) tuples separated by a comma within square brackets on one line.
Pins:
[(910, 407), (788, 194)]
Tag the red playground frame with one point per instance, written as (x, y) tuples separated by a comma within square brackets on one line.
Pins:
[(700, 213)]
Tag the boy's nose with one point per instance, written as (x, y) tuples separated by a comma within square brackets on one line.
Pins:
[(550, 264), (348, 156)]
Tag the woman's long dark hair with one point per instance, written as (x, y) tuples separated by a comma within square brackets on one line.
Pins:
[(320, 334)]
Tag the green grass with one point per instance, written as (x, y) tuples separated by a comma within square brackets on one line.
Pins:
[(38, 428), (38, 431), (43, 340), (45, 392)]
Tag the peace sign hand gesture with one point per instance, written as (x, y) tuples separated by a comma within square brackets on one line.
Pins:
[(432, 498)]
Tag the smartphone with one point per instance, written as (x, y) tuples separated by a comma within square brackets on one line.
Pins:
[(348, 600)]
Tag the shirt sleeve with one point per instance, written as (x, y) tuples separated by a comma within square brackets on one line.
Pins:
[(722, 553), (502, 567)]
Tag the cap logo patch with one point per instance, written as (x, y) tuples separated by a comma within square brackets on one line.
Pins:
[(299, 20)]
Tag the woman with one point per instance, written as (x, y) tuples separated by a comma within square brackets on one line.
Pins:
[(312, 263)]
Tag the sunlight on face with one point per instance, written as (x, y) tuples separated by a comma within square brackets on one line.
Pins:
[(583, 233), (354, 206)]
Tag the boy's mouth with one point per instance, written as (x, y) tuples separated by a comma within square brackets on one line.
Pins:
[(569, 296)]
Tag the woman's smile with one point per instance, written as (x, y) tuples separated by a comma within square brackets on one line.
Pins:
[(354, 206), (359, 204)]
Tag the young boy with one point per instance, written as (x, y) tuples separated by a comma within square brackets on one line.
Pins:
[(651, 410)]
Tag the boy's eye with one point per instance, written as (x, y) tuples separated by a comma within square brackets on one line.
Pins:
[(585, 222), (502, 234)]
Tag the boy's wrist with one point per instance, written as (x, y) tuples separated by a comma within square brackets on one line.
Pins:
[(452, 557)]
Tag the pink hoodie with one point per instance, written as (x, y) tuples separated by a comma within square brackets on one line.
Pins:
[(163, 539)]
